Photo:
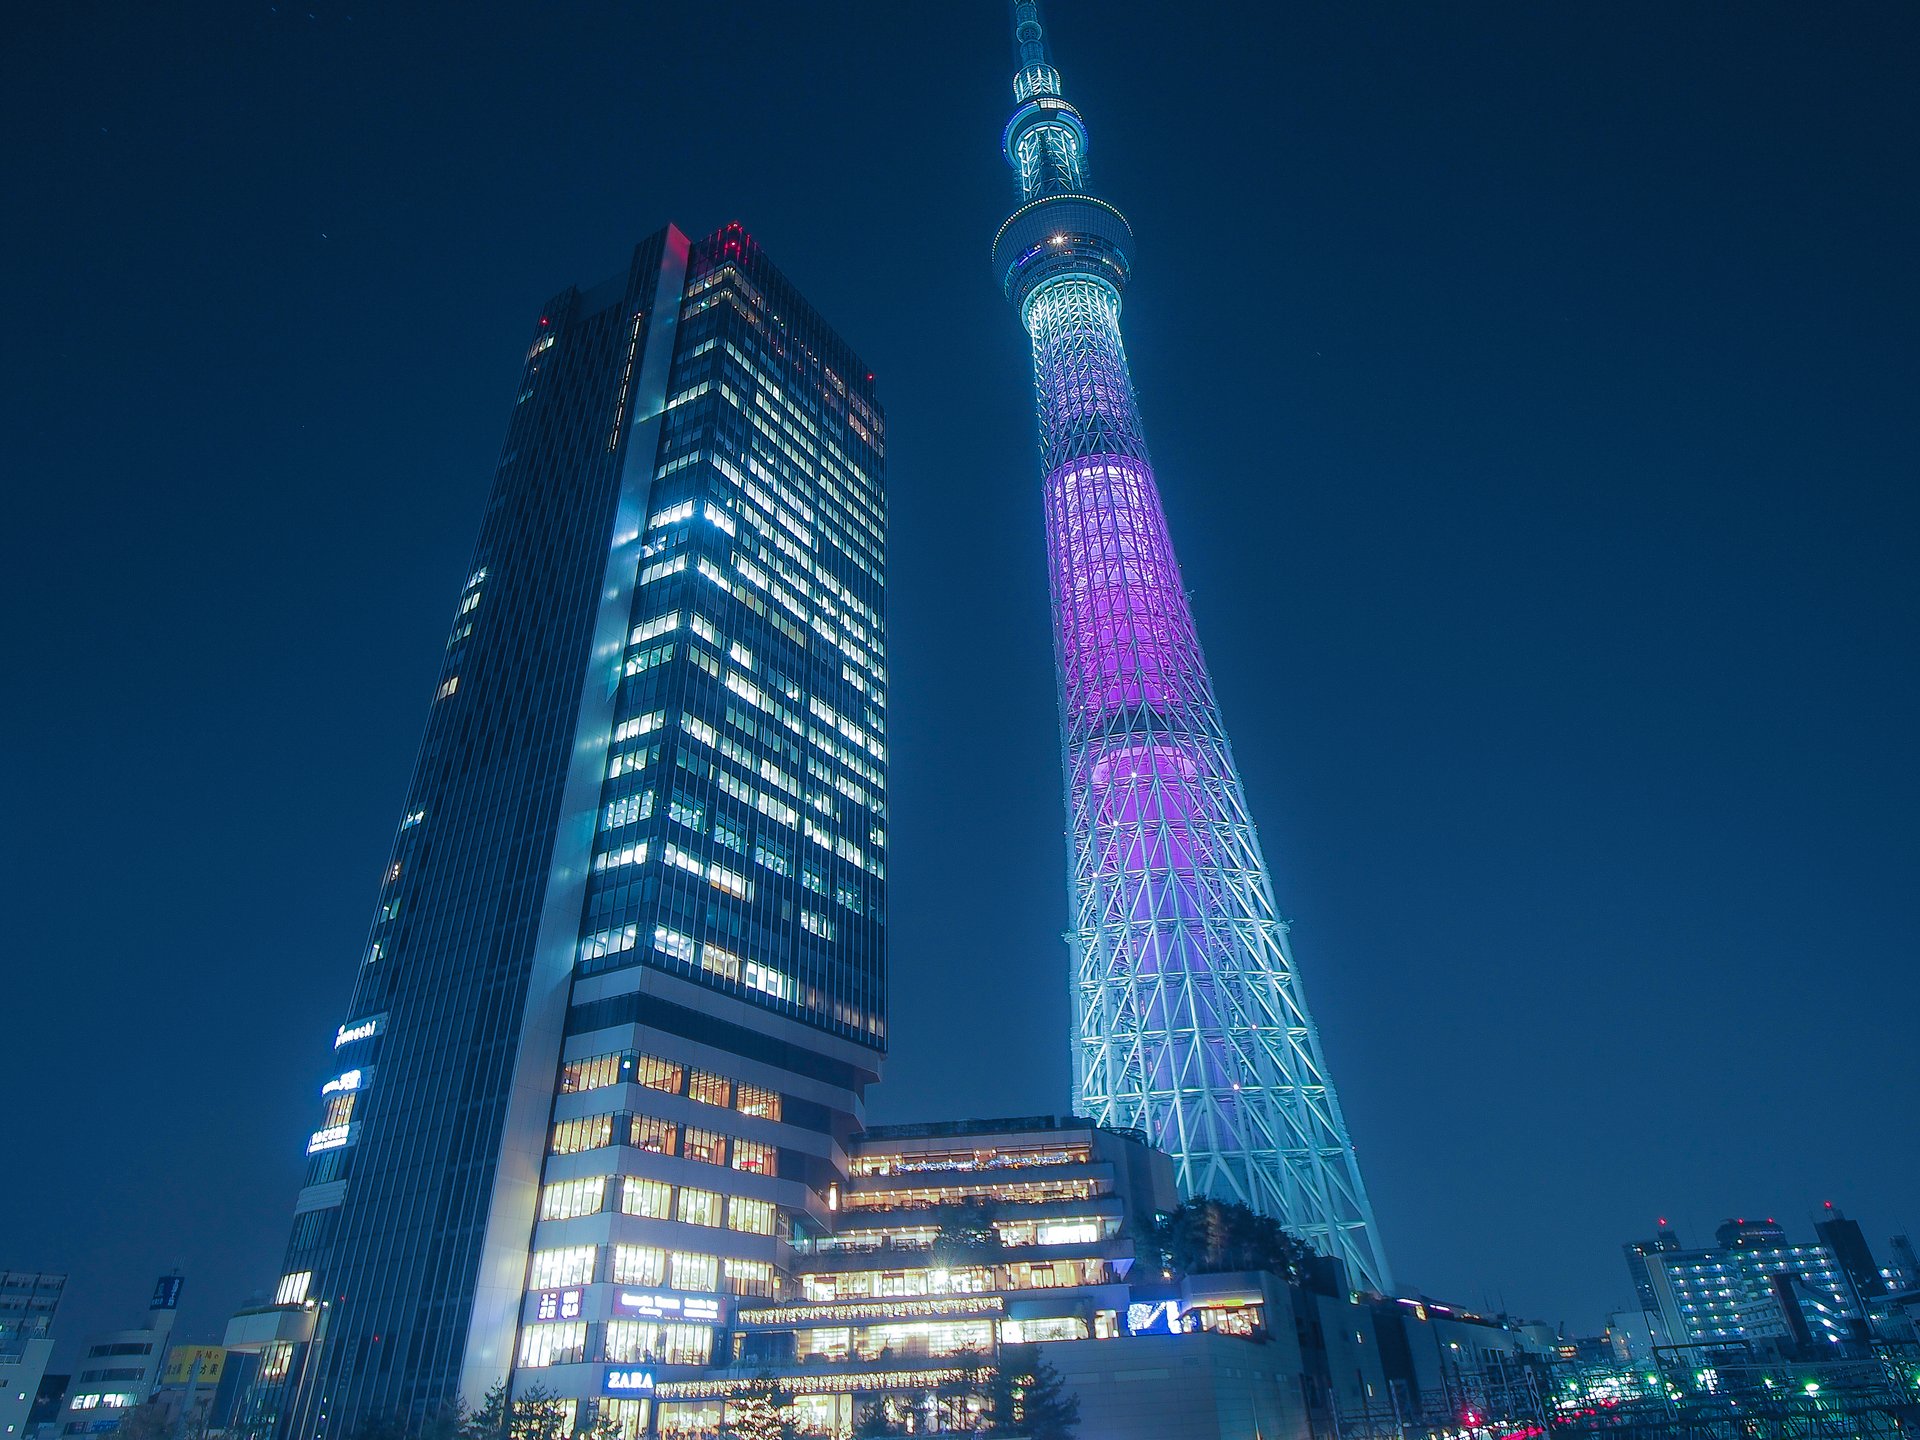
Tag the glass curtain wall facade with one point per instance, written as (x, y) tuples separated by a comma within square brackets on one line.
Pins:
[(1190, 1022), (625, 986)]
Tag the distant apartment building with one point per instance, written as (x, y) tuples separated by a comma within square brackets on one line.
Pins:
[(27, 1302), (1753, 1285)]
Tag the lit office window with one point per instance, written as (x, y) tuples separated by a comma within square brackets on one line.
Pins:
[(699, 1207), (562, 1344), (752, 1217), (651, 1198), (567, 1265)]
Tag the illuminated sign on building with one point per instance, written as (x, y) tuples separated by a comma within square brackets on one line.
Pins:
[(331, 1138), (342, 1083), (364, 1030), (557, 1305), (1161, 1317), (166, 1292), (194, 1365), (629, 1382), (657, 1306)]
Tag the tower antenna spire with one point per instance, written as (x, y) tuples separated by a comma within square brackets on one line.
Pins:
[(1029, 34)]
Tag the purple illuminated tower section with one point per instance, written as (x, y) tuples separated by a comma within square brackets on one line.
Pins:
[(1189, 1022)]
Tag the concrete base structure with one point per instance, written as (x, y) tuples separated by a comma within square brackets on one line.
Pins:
[(1183, 1387)]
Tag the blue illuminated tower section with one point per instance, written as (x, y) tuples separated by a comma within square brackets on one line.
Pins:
[(1189, 1021)]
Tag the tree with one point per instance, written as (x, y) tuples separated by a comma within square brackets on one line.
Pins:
[(449, 1422), (489, 1422), (606, 1426), (539, 1414), (1027, 1396), (876, 1421), (1208, 1237), (145, 1422), (758, 1410), (966, 1235), (536, 1414)]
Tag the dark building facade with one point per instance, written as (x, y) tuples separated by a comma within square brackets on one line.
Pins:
[(625, 987)]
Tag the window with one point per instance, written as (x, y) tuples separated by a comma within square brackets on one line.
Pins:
[(452, 684), (752, 1155), (658, 1074), (653, 629), (629, 1342), (638, 1265), (625, 1419), (625, 855), (275, 1363), (565, 1199), (710, 1089), (562, 1344), (749, 1277), (693, 1272), (638, 725), (589, 1132), (651, 1198), (730, 834), (673, 943), (705, 1145), (568, 1265), (774, 857), (590, 1074), (653, 1134), (699, 1207), (627, 810), (293, 1288), (339, 1110), (754, 1217), (609, 942), (685, 1344), (752, 1100), (685, 810), (716, 961)]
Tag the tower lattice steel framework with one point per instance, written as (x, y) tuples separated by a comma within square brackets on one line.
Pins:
[(1189, 1018)]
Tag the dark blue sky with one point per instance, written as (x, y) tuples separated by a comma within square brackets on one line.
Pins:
[(1533, 388)]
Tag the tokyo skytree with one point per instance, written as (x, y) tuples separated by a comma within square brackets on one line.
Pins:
[(1189, 1021)]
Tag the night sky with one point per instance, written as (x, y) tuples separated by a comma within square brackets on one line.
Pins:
[(1534, 392)]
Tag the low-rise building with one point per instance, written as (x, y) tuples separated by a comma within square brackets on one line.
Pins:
[(952, 1246), (118, 1371)]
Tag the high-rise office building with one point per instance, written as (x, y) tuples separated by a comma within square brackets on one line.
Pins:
[(1190, 1022), (625, 986)]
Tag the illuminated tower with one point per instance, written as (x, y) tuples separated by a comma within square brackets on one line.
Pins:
[(1189, 1021)]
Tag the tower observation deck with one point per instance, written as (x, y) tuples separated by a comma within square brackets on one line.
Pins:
[(1189, 1019)]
